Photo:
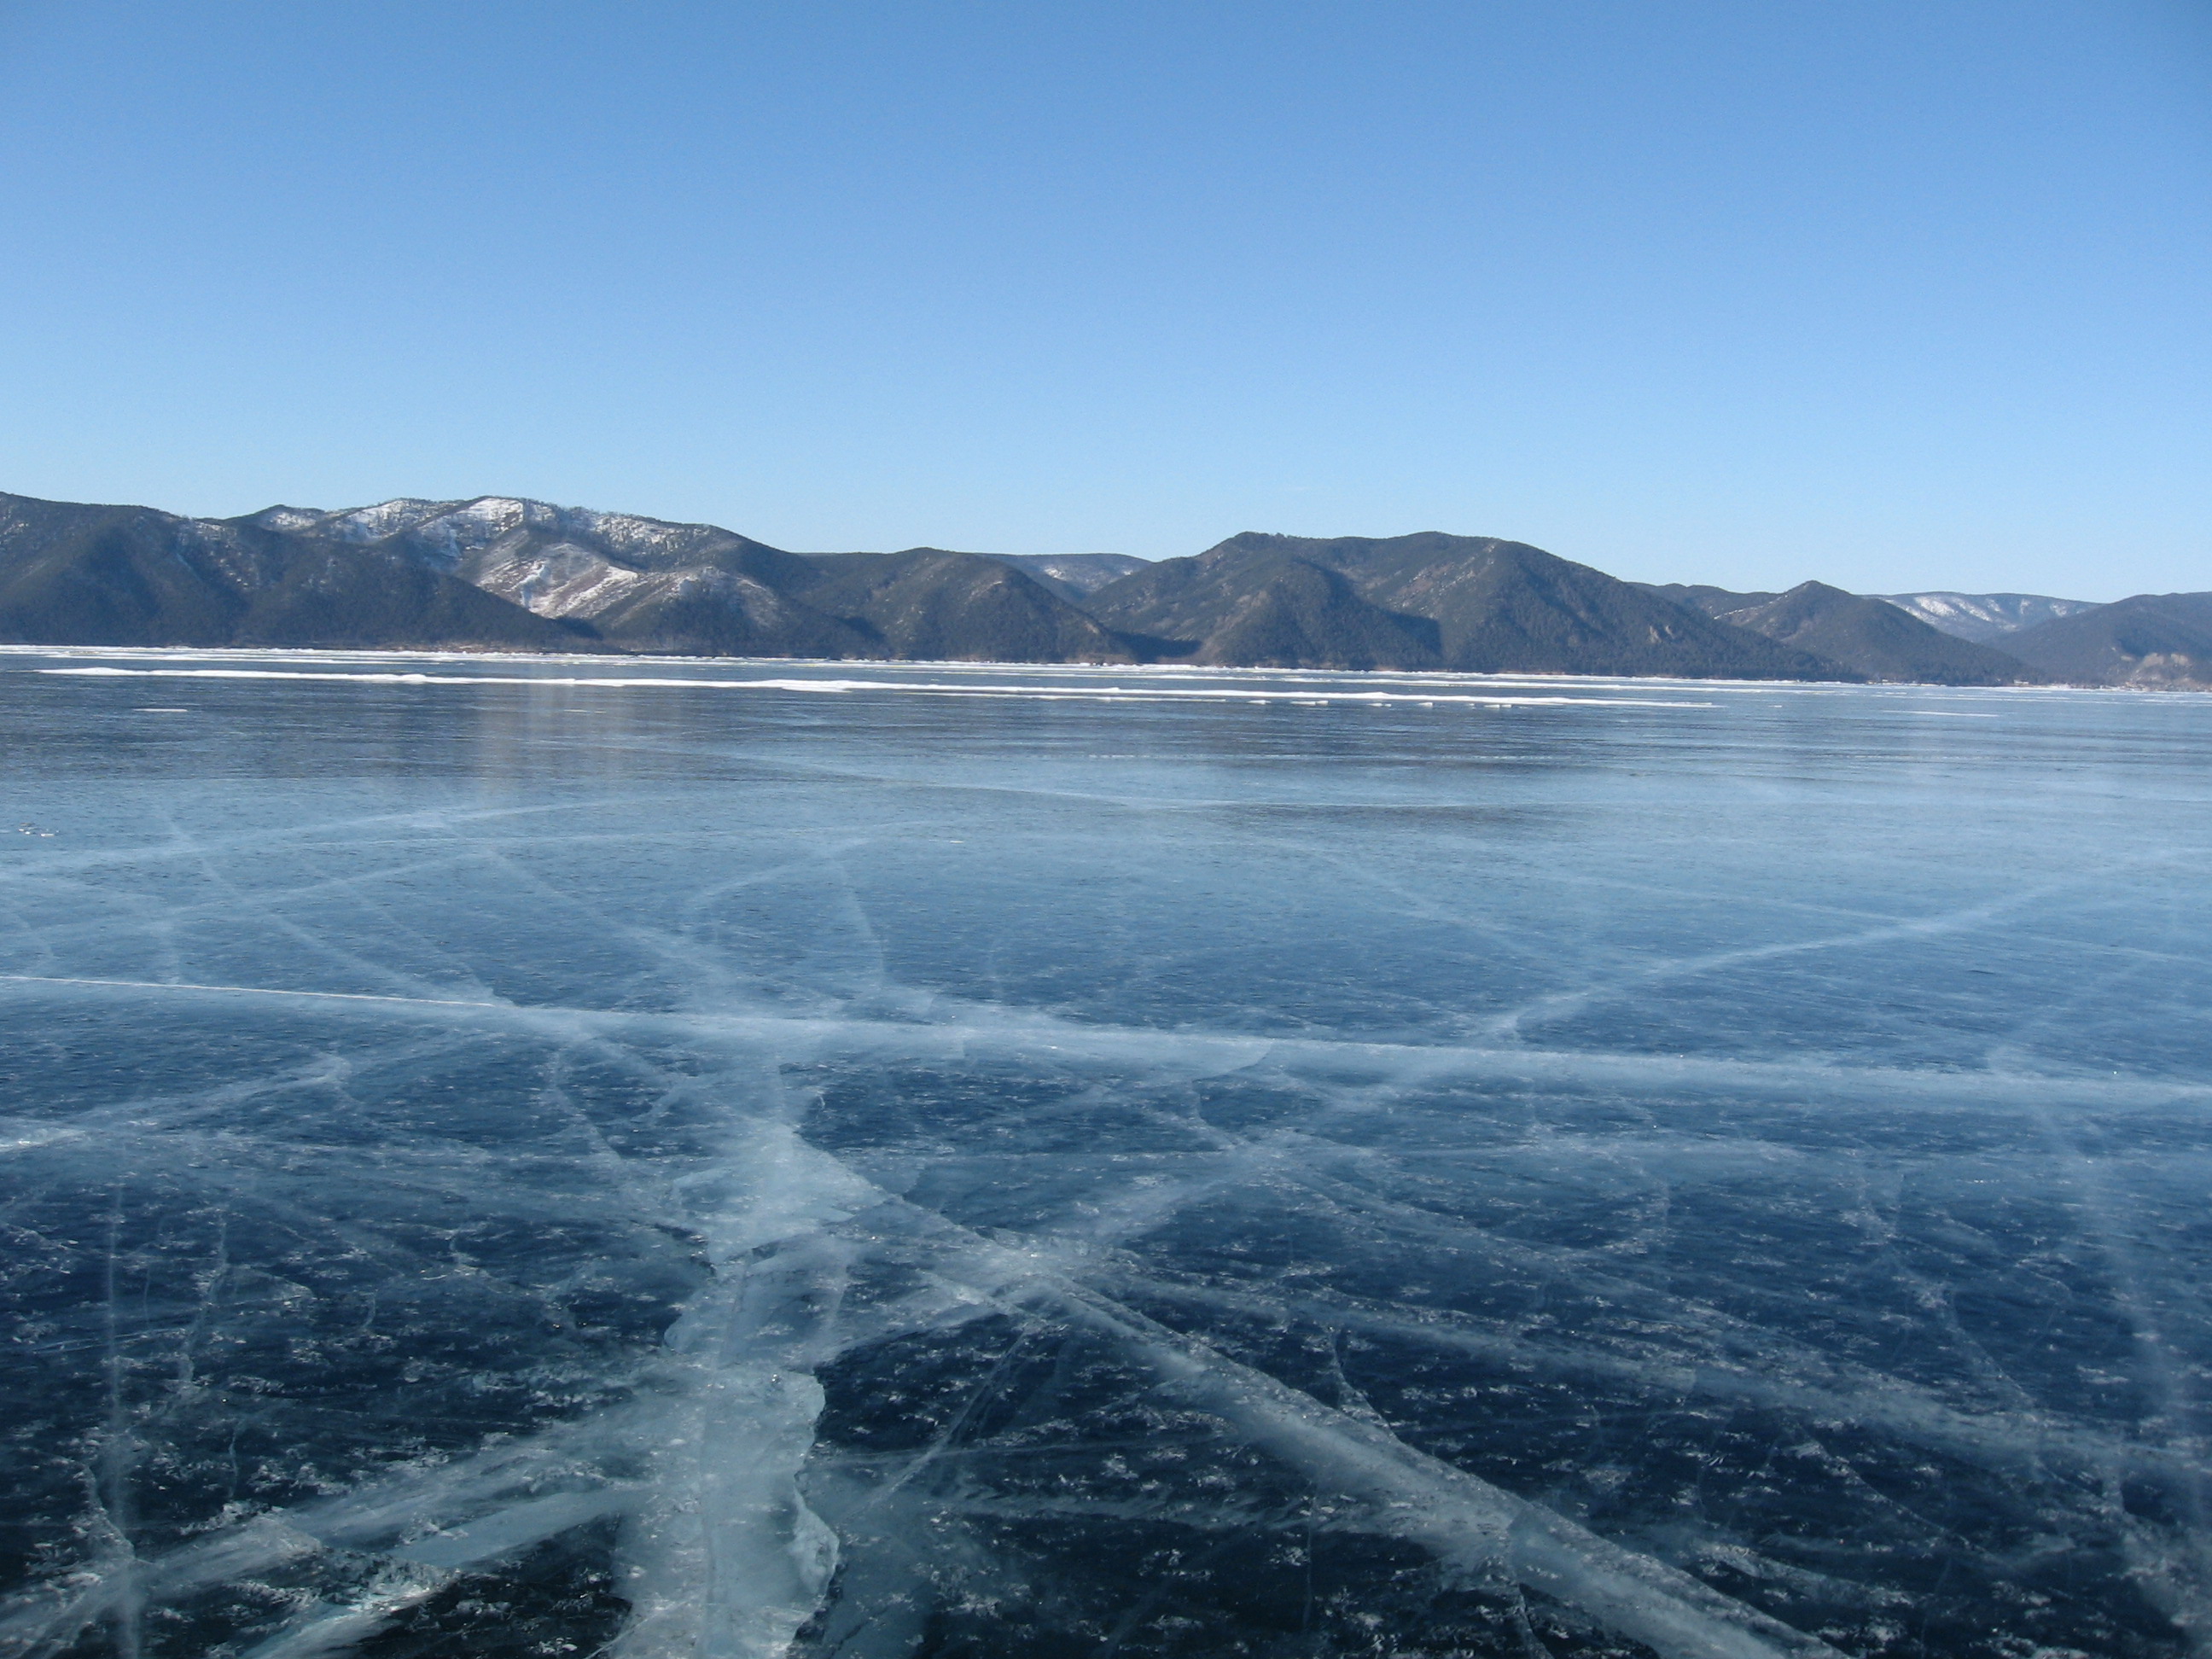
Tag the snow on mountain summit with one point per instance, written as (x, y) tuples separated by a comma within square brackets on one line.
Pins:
[(1984, 618)]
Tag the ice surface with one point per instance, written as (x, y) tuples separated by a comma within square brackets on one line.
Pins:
[(737, 1159)]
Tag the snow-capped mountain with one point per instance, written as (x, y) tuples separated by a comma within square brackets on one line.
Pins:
[(1984, 618)]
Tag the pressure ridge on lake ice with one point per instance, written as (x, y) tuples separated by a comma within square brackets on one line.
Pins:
[(538, 1157)]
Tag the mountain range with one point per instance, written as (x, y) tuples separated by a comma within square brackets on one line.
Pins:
[(2152, 640), (1875, 637), (500, 573), (1473, 604)]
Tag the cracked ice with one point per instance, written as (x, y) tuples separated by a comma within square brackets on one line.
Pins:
[(747, 1162)]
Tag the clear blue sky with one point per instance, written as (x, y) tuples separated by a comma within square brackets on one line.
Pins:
[(1896, 294)]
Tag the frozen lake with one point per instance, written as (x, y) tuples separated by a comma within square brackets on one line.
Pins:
[(643, 1158)]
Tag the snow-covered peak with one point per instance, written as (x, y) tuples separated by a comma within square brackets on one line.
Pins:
[(450, 530), (1983, 617), (453, 532), (630, 536), (287, 518)]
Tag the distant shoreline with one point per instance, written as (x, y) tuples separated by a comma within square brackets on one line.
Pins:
[(1438, 677)]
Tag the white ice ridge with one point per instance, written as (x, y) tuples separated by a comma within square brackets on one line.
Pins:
[(1329, 694), (1825, 691), (951, 1030)]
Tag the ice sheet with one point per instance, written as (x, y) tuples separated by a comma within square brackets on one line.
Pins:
[(998, 1161)]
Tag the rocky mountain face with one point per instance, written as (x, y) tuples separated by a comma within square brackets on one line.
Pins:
[(1470, 603), (2152, 640), (1877, 639), (1984, 618)]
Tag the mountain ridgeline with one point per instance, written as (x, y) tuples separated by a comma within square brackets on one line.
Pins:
[(1984, 618), (1874, 638), (500, 573), (1473, 604)]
